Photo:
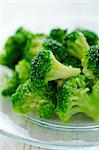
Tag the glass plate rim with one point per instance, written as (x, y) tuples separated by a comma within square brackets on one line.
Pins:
[(62, 127), (47, 145)]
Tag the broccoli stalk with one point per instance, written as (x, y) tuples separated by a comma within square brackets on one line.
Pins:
[(89, 103), (91, 37), (46, 67), (76, 44), (60, 71)]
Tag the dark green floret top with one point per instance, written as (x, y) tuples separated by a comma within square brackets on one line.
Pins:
[(14, 48), (41, 65), (56, 47), (91, 62), (58, 34)]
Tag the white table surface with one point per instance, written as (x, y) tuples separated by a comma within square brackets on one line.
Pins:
[(11, 144)]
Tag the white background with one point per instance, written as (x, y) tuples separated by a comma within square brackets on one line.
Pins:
[(58, 13)]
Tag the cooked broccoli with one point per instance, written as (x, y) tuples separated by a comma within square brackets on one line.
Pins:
[(46, 73), (90, 103), (14, 47), (11, 86), (58, 34), (74, 98), (56, 47), (23, 70), (20, 75), (28, 98), (46, 67), (34, 46), (91, 62), (72, 61), (92, 38), (68, 96), (76, 44)]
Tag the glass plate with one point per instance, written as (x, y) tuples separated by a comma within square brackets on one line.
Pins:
[(80, 134)]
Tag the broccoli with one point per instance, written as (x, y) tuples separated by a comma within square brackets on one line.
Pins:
[(91, 37), (68, 96), (45, 67), (34, 46), (74, 97), (76, 44), (56, 47), (11, 85), (72, 61), (91, 62), (58, 34), (90, 103), (14, 47), (20, 75), (28, 98), (23, 70)]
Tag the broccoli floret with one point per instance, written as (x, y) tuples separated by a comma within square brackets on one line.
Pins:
[(23, 70), (76, 44), (14, 47), (34, 46), (74, 97), (20, 75), (28, 98), (72, 61), (92, 38), (11, 86), (68, 96), (58, 34), (45, 67), (90, 103), (56, 47), (91, 62)]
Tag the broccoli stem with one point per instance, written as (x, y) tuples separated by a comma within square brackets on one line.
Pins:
[(89, 106), (89, 74), (77, 49), (60, 71)]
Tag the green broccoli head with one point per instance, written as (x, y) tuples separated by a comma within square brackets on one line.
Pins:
[(14, 47), (11, 85), (20, 75), (74, 97), (69, 96), (72, 61), (45, 67), (58, 34), (91, 62), (90, 103), (76, 44), (56, 47), (28, 98), (34, 46), (23, 70), (92, 38)]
